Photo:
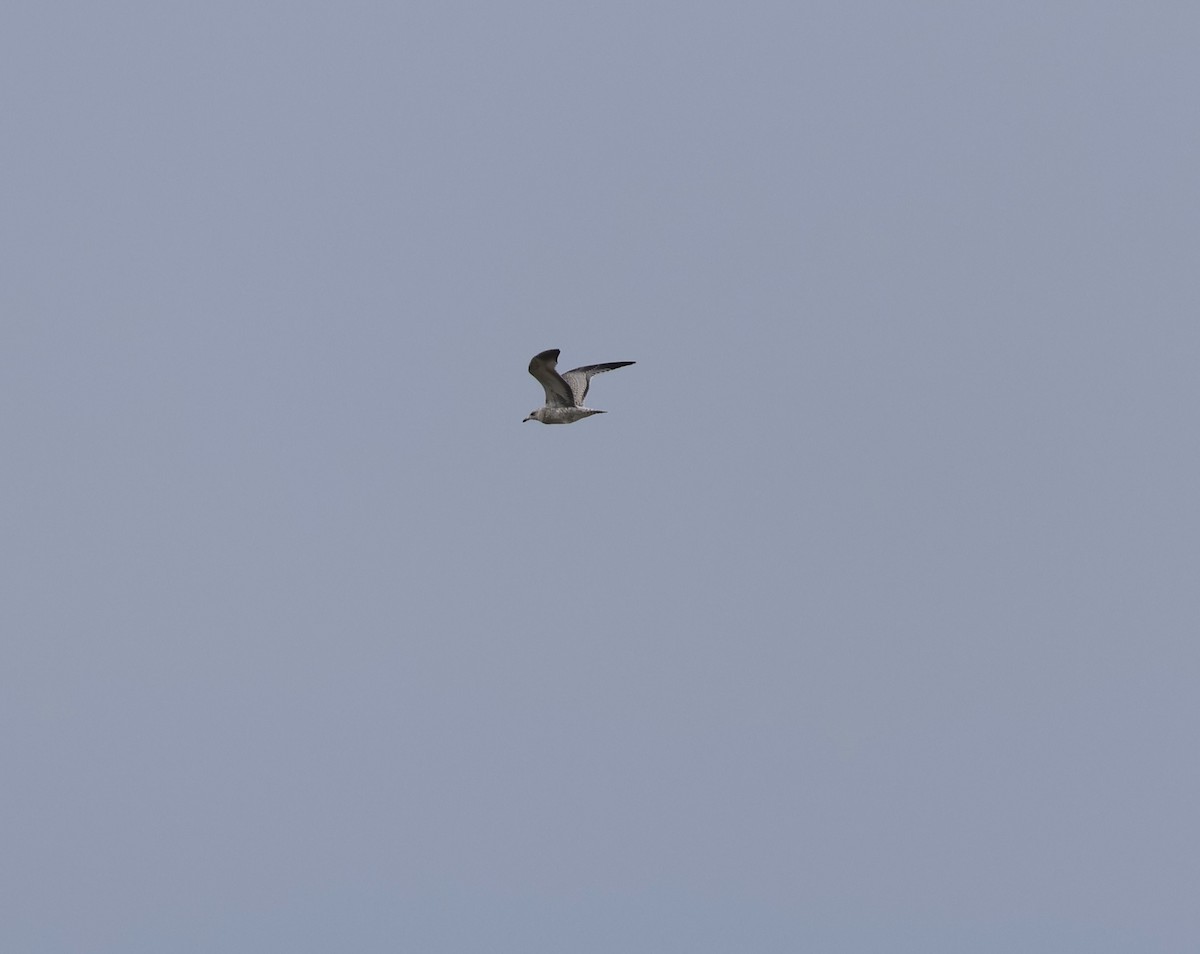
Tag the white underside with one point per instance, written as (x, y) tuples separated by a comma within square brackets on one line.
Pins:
[(563, 415)]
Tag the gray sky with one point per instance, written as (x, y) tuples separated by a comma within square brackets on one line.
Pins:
[(865, 621)]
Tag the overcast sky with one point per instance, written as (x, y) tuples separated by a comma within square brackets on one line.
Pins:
[(865, 621)]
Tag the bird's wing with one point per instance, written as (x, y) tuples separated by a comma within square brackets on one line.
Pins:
[(578, 378), (558, 392)]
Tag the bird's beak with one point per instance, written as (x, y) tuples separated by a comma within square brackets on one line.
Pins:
[(527, 419)]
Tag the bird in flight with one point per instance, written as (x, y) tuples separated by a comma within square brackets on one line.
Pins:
[(565, 392)]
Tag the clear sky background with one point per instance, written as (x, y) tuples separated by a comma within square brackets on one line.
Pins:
[(865, 621)]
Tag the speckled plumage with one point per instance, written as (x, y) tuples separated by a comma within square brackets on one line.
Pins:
[(565, 392)]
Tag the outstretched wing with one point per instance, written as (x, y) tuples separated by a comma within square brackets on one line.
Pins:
[(558, 392), (577, 378)]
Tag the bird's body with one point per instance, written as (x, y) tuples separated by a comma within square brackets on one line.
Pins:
[(562, 415), (565, 392)]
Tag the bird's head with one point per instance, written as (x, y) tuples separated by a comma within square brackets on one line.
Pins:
[(534, 415)]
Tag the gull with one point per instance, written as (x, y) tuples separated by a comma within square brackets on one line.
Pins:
[(565, 392)]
